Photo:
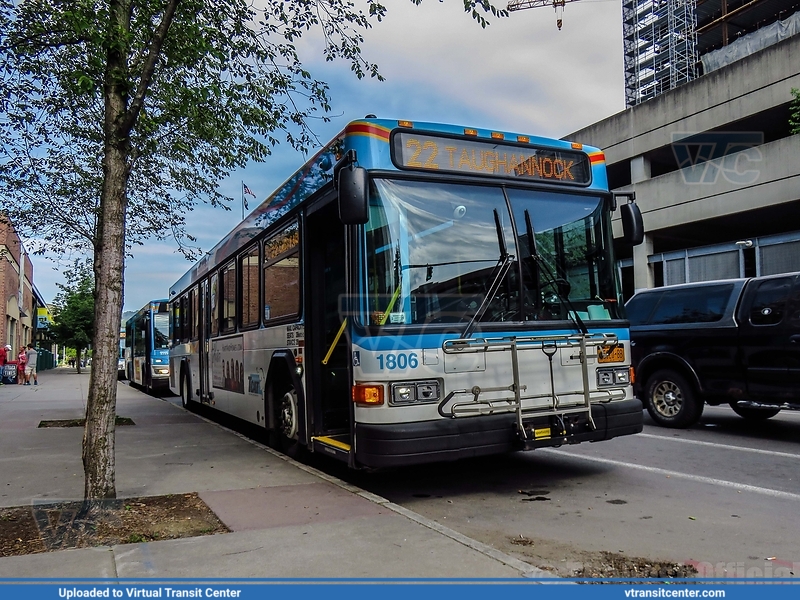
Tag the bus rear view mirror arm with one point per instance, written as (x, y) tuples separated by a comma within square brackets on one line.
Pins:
[(632, 223)]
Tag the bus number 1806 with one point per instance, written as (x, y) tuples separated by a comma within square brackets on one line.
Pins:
[(400, 360)]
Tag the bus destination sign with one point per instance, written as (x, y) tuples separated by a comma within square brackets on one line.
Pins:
[(484, 157)]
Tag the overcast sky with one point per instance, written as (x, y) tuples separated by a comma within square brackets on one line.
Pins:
[(520, 74)]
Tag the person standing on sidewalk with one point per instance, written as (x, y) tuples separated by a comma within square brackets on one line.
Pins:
[(3, 359), (22, 360), (30, 366)]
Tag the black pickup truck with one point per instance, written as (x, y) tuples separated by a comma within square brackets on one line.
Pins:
[(731, 342)]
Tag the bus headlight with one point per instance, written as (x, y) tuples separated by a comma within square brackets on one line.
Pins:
[(160, 370), (410, 392), (403, 393), (613, 376)]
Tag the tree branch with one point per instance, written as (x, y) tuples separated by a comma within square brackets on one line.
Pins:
[(150, 65)]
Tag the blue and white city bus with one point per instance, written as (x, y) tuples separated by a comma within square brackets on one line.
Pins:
[(147, 346), (418, 292)]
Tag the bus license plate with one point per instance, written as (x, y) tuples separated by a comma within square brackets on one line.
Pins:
[(608, 354)]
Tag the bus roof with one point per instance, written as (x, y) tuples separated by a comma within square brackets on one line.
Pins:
[(370, 138)]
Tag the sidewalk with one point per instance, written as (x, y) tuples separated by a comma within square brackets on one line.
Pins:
[(287, 520)]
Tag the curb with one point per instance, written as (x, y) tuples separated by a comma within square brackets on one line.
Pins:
[(525, 569)]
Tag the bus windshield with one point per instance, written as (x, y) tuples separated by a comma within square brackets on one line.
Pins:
[(160, 331), (433, 251)]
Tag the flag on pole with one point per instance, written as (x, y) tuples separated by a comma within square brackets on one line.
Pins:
[(246, 190)]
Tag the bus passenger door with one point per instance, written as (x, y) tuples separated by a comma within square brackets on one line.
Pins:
[(329, 393)]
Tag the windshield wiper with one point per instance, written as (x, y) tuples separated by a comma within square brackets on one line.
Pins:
[(501, 270), (552, 280)]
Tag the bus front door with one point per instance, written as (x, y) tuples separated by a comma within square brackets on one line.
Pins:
[(328, 357)]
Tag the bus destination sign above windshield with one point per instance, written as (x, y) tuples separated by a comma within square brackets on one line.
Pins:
[(485, 157)]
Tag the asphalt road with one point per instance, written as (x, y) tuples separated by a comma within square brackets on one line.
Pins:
[(722, 496)]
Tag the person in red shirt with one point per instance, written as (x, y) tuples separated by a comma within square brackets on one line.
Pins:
[(3, 360), (22, 360)]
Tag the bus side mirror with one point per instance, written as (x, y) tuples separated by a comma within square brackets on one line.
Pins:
[(632, 223), (353, 187)]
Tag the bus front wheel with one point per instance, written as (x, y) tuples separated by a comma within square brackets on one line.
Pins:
[(287, 415), (284, 436)]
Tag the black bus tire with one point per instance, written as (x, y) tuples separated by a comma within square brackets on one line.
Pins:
[(186, 391), (754, 414), (671, 400), (284, 437)]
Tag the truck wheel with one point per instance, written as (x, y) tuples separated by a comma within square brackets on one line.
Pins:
[(754, 414), (671, 401)]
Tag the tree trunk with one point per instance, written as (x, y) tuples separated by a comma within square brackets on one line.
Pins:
[(109, 265)]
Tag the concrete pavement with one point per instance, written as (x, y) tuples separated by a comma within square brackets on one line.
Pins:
[(287, 519)]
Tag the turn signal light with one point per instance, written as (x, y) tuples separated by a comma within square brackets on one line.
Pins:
[(368, 395), (632, 376)]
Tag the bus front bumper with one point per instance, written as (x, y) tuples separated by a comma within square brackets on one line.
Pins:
[(380, 445)]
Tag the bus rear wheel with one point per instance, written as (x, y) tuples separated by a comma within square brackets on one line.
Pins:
[(185, 391)]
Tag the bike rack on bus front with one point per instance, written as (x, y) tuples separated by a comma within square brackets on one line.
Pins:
[(549, 345)]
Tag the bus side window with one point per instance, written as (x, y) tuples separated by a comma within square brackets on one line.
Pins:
[(184, 319), (189, 315), (195, 317), (282, 274), (214, 304), (228, 298), (248, 271), (139, 345), (174, 330)]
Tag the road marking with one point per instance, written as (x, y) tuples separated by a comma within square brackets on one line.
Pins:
[(678, 475), (721, 446)]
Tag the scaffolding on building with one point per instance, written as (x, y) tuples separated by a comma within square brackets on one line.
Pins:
[(665, 40), (659, 44)]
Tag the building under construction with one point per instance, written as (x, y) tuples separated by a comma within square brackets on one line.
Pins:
[(670, 42), (707, 143)]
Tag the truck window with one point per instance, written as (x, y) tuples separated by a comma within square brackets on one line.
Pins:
[(769, 301), (641, 306), (704, 304)]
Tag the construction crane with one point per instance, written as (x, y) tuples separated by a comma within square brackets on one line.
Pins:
[(558, 5)]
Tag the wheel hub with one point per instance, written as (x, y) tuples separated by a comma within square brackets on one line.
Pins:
[(668, 398), (287, 415)]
